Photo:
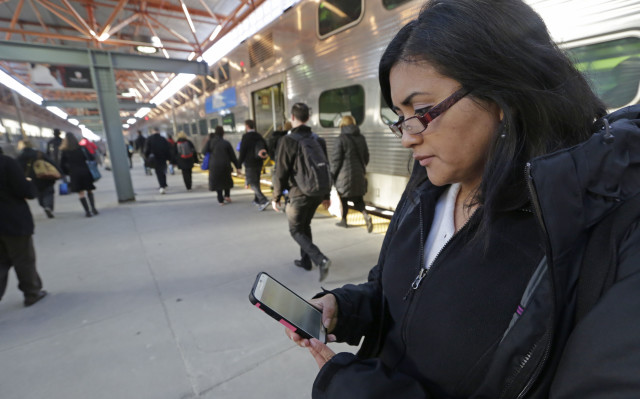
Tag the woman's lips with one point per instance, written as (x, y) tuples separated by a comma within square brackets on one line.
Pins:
[(425, 161)]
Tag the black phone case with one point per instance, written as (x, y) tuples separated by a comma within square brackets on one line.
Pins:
[(279, 318)]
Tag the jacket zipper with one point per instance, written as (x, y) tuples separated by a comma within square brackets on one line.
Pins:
[(536, 372)]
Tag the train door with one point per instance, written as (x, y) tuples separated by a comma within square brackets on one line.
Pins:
[(268, 108)]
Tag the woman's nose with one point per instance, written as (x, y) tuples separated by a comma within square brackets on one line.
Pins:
[(409, 140)]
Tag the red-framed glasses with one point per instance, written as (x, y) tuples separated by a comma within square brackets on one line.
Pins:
[(418, 123)]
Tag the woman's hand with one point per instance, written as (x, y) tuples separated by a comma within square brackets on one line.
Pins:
[(320, 352), (329, 307)]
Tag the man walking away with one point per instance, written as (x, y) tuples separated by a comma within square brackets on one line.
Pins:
[(298, 152), (253, 151), (53, 147), (16, 231), (139, 144), (158, 152)]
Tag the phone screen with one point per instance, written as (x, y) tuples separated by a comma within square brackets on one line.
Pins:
[(290, 306)]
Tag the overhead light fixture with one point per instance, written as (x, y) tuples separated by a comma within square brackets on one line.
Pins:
[(104, 37), (74, 122), (57, 111), (146, 45), (215, 33), (172, 87), (142, 112), (21, 89), (125, 126), (131, 121)]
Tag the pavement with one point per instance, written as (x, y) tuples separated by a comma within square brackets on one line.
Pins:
[(149, 299)]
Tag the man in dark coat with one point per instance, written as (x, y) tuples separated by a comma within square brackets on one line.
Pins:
[(16, 230), (139, 144), (253, 151), (158, 152), (301, 207), (53, 147)]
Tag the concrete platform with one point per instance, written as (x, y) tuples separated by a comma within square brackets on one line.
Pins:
[(150, 299)]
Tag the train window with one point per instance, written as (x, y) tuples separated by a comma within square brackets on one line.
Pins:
[(337, 15), (386, 114), (336, 103), (202, 124), (185, 129), (194, 129), (229, 123), (213, 123), (613, 68), (391, 4)]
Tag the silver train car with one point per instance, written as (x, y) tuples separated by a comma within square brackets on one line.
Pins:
[(326, 53)]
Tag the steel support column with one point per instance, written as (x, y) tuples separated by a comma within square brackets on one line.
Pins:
[(105, 85)]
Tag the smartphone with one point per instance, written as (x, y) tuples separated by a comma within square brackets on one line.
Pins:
[(279, 302)]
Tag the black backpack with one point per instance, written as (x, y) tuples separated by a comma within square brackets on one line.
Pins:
[(600, 262), (311, 173)]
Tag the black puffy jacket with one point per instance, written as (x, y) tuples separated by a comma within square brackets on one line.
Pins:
[(349, 160), (539, 352)]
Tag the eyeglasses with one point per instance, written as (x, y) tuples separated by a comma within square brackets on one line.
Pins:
[(418, 123)]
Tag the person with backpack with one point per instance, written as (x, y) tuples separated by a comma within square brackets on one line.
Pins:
[(479, 278), (186, 156), (349, 161), (173, 160), (303, 169), (29, 158), (253, 151)]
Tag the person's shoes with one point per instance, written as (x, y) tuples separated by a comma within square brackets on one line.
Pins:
[(221, 203), (87, 214), (227, 200), (323, 267), (95, 211), (342, 223), (30, 300), (49, 213), (299, 263), (162, 190), (255, 203), (367, 220), (263, 206)]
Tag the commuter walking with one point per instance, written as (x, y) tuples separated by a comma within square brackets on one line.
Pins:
[(253, 151), (53, 147), (139, 144), (44, 184), (173, 158), (74, 164), (303, 202), (186, 156), (157, 152), (220, 161), (349, 161), (16, 232), (129, 149), (274, 140)]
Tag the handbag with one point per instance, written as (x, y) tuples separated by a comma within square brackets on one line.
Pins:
[(63, 188), (93, 166), (43, 169), (205, 161)]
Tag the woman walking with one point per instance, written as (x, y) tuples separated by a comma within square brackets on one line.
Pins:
[(44, 185), (348, 168), (221, 159), (185, 157), (74, 164)]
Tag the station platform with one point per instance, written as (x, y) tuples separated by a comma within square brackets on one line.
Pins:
[(149, 299)]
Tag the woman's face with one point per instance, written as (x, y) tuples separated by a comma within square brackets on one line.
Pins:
[(454, 147)]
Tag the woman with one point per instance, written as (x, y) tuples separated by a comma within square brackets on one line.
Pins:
[(348, 168), (26, 158), (74, 164), (185, 156), (474, 292), (222, 157)]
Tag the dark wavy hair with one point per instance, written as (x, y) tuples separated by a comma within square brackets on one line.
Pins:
[(501, 51)]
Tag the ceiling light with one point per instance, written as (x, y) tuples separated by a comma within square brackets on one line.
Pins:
[(131, 121), (73, 121), (104, 37), (57, 111), (146, 49), (142, 112), (215, 33), (191, 56), (23, 90), (125, 126)]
